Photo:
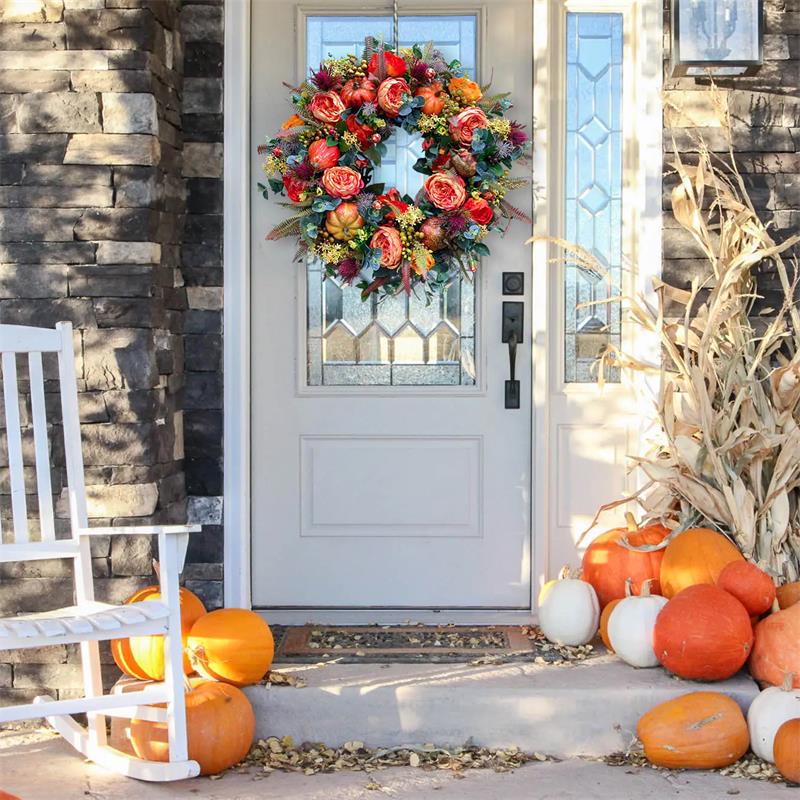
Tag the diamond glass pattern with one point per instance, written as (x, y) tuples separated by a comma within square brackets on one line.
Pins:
[(593, 212)]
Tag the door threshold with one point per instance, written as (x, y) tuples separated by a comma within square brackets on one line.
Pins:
[(402, 616)]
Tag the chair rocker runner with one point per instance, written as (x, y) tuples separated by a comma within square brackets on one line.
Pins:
[(88, 622)]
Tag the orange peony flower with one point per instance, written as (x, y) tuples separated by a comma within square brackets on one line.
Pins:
[(293, 122), (470, 90), (326, 107), (342, 182), (445, 191), (388, 240), (392, 94), (466, 122)]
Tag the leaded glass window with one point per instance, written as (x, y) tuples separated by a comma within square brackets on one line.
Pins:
[(593, 192), (400, 340)]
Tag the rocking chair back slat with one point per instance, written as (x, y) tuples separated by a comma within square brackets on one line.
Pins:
[(43, 484), (19, 506)]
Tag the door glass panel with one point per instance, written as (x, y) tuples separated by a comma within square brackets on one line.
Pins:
[(593, 212), (401, 340)]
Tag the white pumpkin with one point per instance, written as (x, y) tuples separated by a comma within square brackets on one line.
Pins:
[(569, 611), (630, 626), (768, 712)]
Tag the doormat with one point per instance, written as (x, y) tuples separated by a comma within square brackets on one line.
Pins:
[(423, 643)]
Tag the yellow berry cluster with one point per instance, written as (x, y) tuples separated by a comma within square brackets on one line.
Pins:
[(331, 252), (500, 126), (275, 166)]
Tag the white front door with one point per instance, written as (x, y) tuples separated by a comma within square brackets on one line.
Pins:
[(386, 470)]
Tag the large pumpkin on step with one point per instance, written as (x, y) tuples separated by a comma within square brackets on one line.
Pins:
[(232, 645), (776, 650), (703, 634), (142, 657), (751, 586), (700, 730), (788, 594), (787, 750), (220, 725), (607, 563), (697, 555)]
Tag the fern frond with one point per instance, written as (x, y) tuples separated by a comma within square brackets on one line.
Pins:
[(512, 212), (287, 227)]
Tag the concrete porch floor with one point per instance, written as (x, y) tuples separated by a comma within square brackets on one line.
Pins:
[(38, 766), (587, 708)]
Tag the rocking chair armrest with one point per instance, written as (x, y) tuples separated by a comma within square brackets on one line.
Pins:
[(139, 530)]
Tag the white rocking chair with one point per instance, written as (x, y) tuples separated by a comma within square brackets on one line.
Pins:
[(88, 622)]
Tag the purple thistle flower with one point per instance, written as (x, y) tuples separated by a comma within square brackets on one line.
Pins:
[(505, 148), (304, 171), (364, 202), (349, 270), (323, 79), (368, 109), (455, 224), (418, 71), (517, 135)]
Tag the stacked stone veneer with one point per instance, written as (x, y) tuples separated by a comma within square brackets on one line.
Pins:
[(765, 115), (92, 205)]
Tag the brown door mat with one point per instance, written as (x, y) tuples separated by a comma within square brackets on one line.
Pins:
[(402, 643)]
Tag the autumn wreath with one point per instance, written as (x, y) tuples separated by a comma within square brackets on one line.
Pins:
[(324, 156)]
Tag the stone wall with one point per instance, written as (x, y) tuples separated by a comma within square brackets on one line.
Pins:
[(92, 205), (765, 114), (201, 257)]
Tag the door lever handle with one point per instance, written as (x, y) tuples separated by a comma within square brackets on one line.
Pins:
[(513, 315), (512, 384)]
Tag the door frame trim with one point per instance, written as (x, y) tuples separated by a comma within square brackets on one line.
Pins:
[(236, 264), (236, 305)]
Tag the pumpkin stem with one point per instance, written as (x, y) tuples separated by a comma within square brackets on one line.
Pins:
[(157, 569), (645, 592), (630, 521), (564, 572), (187, 684), (628, 587), (788, 681)]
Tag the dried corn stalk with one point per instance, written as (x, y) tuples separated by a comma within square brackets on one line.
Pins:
[(729, 396)]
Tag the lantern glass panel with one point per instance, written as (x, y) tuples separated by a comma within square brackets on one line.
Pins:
[(719, 31)]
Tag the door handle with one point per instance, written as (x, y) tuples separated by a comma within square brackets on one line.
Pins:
[(513, 315)]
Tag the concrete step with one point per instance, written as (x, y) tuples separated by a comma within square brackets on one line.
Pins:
[(589, 708)]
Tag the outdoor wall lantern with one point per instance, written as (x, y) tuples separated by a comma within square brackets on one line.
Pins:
[(721, 37)]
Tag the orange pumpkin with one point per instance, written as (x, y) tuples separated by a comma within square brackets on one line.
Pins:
[(344, 221), (356, 92), (604, 617), (703, 633), (700, 730), (607, 564), (751, 586), (7, 796), (142, 657), (232, 645), (788, 594), (434, 98), (697, 555), (220, 726), (787, 750), (776, 650)]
